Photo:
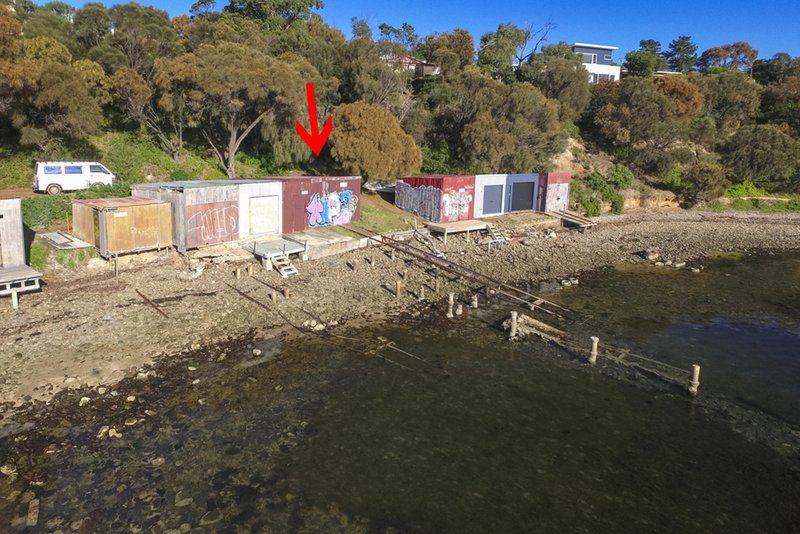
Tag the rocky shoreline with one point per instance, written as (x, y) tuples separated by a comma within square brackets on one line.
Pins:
[(90, 329)]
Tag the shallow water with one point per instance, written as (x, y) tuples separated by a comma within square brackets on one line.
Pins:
[(470, 434)]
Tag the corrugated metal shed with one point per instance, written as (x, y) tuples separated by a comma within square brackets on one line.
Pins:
[(123, 225), (206, 212), (318, 201), (12, 240), (522, 192), (554, 187), (437, 198), (490, 194)]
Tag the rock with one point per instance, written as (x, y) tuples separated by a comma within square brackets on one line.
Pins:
[(33, 513)]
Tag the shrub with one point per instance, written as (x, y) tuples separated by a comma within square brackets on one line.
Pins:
[(745, 189), (620, 176), (40, 211)]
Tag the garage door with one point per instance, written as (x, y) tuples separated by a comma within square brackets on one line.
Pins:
[(264, 215), (492, 199), (522, 196)]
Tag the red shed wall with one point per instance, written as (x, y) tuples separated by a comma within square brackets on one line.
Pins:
[(437, 198), (317, 201)]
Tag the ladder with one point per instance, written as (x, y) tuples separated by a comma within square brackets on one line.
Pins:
[(284, 265), (496, 236)]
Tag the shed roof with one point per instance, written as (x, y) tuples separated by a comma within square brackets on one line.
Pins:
[(122, 202), (199, 184)]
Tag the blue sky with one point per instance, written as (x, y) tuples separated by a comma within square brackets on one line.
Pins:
[(771, 26)]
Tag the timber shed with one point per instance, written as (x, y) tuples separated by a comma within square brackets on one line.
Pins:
[(317, 201), (207, 212), (15, 275), (123, 225), (441, 199)]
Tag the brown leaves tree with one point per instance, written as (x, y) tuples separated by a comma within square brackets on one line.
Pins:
[(367, 140)]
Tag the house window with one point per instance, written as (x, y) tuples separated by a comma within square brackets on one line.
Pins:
[(589, 58)]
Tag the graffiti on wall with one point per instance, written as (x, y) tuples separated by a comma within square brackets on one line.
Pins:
[(455, 205), (213, 224), (425, 201), (331, 208)]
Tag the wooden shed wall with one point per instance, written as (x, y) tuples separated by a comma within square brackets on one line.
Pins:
[(83, 223), (12, 237)]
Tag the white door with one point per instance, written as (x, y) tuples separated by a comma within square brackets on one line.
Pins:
[(265, 215)]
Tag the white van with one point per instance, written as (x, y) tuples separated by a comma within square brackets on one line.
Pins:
[(57, 176)]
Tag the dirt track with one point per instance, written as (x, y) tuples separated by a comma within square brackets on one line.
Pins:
[(85, 327)]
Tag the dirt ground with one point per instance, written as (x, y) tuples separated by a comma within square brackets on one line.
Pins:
[(86, 327)]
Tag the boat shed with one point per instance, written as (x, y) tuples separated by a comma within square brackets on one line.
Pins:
[(440, 199), (15, 275), (123, 225), (319, 201), (490, 194), (207, 212), (554, 191), (522, 192)]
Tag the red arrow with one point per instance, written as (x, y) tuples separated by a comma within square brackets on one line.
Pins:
[(314, 140)]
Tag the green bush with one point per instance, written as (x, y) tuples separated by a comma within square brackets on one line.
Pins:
[(620, 176), (41, 210), (105, 191), (746, 189)]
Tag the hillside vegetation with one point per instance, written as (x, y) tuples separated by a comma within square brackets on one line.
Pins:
[(216, 92)]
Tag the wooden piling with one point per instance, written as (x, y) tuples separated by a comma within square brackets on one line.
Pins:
[(475, 301), (512, 334), (451, 298), (694, 383), (593, 354)]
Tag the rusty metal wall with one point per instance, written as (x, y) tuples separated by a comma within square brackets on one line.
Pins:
[(319, 201)]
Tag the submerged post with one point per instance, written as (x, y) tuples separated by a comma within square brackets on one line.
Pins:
[(513, 332), (475, 301), (593, 355), (450, 302), (14, 300), (694, 383)]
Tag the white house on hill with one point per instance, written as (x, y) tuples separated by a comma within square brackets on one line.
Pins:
[(598, 61)]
